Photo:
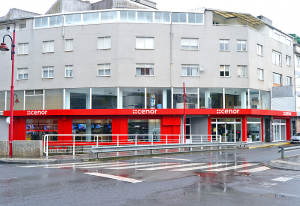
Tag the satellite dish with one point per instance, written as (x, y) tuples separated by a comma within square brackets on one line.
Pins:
[(202, 69)]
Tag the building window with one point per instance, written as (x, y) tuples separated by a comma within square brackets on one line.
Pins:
[(297, 61), (179, 17), (48, 46), (189, 44), (73, 19), (288, 60), (144, 42), (109, 16), (89, 18), (103, 70), (69, 44), (189, 70), (241, 45), (69, 71), (162, 17), (224, 45), (104, 42), (195, 18), (260, 74), (288, 81), (41, 22), (242, 71), (259, 50), (143, 16), (23, 48), (144, 69), (224, 71), (276, 58), (48, 72), (128, 16), (22, 26), (56, 20), (23, 73), (276, 80)]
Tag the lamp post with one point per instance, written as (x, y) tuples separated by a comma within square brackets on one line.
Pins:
[(184, 95), (4, 48)]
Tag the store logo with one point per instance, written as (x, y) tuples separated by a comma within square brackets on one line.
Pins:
[(32, 113), (287, 113), (144, 111), (228, 111)]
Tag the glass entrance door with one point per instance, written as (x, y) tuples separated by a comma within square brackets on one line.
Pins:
[(276, 129), (230, 133)]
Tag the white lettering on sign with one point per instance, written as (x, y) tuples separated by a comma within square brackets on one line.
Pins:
[(36, 113), (287, 113), (144, 111), (228, 111)]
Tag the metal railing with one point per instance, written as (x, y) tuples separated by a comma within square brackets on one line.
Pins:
[(82, 143), (282, 149)]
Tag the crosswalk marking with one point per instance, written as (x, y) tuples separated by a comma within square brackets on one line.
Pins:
[(232, 167), (83, 164), (56, 164), (200, 167), (113, 165), (168, 158), (126, 179), (138, 166), (282, 179), (259, 169), (172, 166)]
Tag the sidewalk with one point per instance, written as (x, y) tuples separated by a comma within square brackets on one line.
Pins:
[(290, 163), (121, 155)]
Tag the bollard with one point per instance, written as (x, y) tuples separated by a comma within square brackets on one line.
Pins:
[(282, 152)]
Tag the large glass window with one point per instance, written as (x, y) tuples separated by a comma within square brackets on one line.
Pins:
[(2, 101), (133, 98), (236, 98), (109, 16), (41, 22), (191, 100), (37, 128), (104, 98), (195, 18), (229, 130), (95, 127), (253, 129), (143, 16), (34, 99), (254, 99), (162, 17), (89, 18), (56, 20), (54, 99), (73, 19), (179, 17), (127, 16), (265, 100), (158, 98), (77, 98), (211, 98), (144, 130)]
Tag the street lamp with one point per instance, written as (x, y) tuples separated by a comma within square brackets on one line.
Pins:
[(4, 48)]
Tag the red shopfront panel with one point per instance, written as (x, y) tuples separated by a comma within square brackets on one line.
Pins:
[(288, 129), (244, 129), (19, 128)]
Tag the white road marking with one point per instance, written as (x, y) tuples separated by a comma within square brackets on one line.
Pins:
[(200, 167), (266, 184), (56, 164), (138, 166), (167, 158), (258, 169), (284, 194), (125, 179), (172, 166), (232, 167), (282, 179), (112, 165), (81, 165)]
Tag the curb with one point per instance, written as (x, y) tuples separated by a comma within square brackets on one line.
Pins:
[(270, 145)]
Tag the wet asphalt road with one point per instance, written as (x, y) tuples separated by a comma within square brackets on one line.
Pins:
[(219, 178)]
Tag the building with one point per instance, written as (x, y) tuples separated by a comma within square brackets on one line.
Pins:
[(118, 67)]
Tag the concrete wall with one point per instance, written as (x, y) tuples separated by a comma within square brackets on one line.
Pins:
[(4, 128), (28, 148), (4, 148)]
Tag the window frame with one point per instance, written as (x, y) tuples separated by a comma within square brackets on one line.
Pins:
[(245, 72), (49, 68), (275, 54), (224, 44), (298, 61), (145, 66), (288, 60), (279, 75), (144, 39), (289, 81), (44, 42), (190, 70), (19, 45), (104, 41), (259, 50), (241, 42), (69, 40), (224, 70), (104, 70), (18, 73), (189, 39), (71, 71), (260, 71)]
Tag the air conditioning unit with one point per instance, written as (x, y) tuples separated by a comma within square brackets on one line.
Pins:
[(202, 69)]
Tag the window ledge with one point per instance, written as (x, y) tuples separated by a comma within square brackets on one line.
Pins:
[(190, 49), (47, 52), (225, 77), (260, 55), (145, 75), (242, 51), (224, 50), (143, 49), (22, 54), (69, 50), (105, 49), (21, 79), (47, 77), (190, 76), (103, 75), (260, 79), (69, 77), (242, 77)]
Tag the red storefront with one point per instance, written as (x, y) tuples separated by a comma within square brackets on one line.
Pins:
[(170, 120)]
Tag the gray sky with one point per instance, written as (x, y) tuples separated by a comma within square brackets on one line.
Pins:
[(284, 14)]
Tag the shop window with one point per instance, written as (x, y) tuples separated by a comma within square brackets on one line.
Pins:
[(2, 101), (211, 98), (77, 98), (158, 98), (34, 99), (132, 98), (104, 98), (144, 130), (253, 129), (191, 100), (229, 130), (236, 98), (54, 99), (36, 129), (96, 127)]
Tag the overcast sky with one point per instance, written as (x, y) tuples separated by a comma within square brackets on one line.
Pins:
[(284, 14)]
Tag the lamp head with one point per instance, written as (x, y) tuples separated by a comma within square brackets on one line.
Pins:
[(3, 47)]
